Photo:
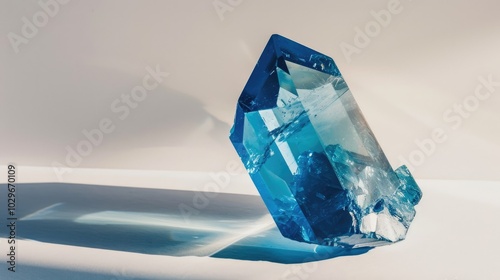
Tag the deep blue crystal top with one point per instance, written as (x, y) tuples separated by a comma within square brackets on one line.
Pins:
[(260, 91), (312, 156)]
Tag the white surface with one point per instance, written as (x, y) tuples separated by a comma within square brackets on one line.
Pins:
[(425, 61), (238, 181), (454, 236)]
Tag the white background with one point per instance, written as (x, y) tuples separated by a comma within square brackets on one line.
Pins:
[(428, 58), (65, 78)]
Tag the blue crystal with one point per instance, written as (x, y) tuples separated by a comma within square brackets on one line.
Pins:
[(312, 156)]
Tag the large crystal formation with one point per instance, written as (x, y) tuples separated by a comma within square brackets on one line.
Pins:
[(312, 156)]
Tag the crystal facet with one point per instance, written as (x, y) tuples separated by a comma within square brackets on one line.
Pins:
[(312, 156)]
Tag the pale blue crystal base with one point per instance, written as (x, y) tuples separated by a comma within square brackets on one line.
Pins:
[(313, 157)]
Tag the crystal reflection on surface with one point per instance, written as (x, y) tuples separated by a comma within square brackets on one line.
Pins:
[(164, 222)]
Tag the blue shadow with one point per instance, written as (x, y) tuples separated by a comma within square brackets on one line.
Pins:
[(163, 222)]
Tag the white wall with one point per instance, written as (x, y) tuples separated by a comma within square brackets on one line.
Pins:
[(65, 77)]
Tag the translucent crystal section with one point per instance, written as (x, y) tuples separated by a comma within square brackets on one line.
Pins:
[(312, 156)]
